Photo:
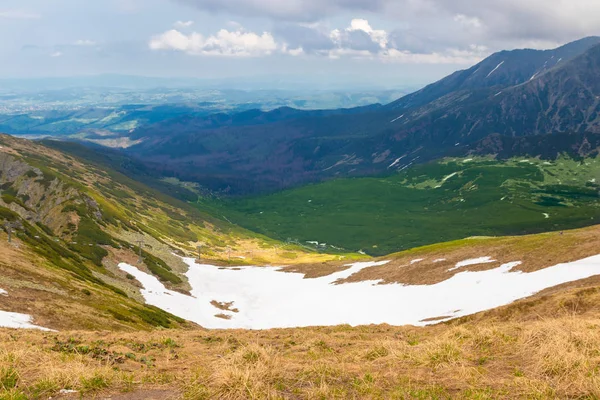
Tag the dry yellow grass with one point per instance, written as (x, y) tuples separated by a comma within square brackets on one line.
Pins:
[(535, 251), (555, 354)]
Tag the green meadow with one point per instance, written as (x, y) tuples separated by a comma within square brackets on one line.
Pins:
[(440, 201)]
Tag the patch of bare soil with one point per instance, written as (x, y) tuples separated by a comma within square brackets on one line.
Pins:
[(224, 306)]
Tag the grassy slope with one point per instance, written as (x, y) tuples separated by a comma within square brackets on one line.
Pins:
[(383, 215), (64, 271), (554, 355), (542, 347)]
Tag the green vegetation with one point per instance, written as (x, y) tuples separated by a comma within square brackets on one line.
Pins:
[(159, 268), (431, 203)]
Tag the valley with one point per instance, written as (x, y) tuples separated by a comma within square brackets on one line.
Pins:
[(430, 203), (204, 241)]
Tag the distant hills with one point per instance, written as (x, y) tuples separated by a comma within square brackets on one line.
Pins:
[(512, 98), (520, 102)]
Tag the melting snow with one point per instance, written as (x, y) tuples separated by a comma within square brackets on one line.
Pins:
[(396, 162), (494, 70), (473, 261), (449, 176), (267, 298), (418, 260), (546, 215), (396, 119), (15, 320), (439, 260)]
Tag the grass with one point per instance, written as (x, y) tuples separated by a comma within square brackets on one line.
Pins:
[(428, 204), (546, 358)]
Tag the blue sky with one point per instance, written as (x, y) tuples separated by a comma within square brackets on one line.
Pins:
[(380, 42)]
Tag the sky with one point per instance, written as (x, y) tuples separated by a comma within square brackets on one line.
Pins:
[(384, 43)]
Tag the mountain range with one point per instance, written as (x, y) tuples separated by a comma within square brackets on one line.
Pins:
[(504, 100)]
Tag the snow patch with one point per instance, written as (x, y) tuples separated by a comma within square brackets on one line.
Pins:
[(449, 176), (473, 261), (396, 162), (18, 321), (15, 320), (439, 260), (494, 70), (396, 119), (268, 298), (546, 215), (418, 260)]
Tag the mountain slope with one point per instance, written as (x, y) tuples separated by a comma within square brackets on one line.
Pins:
[(72, 222), (522, 93), (544, 346), (500, 70)]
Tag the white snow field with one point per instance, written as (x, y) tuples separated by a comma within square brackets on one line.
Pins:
[(268, 298), (14, 320)]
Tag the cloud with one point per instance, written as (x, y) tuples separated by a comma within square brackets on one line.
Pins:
[(469, 22), (224, 43), (358, 40), (508, 23), (56, 54), (18, 14), (84, 43), (183, 24)]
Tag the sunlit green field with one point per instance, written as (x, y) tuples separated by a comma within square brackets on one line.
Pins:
[(440, 201)]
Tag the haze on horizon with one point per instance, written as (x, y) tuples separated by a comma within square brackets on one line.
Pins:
[(384, 43)]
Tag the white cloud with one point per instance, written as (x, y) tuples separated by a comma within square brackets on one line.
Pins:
[(56, 54), (470, 22), (18, 14), (224, 43), (183, 24), (84, 43), (359, 41)]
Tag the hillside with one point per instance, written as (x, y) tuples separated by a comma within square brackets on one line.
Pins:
[(544, 346), (501, 70), (72, 222)]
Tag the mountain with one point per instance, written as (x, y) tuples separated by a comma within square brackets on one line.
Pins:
[(503, 69), (520, 93), (72, 220)]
